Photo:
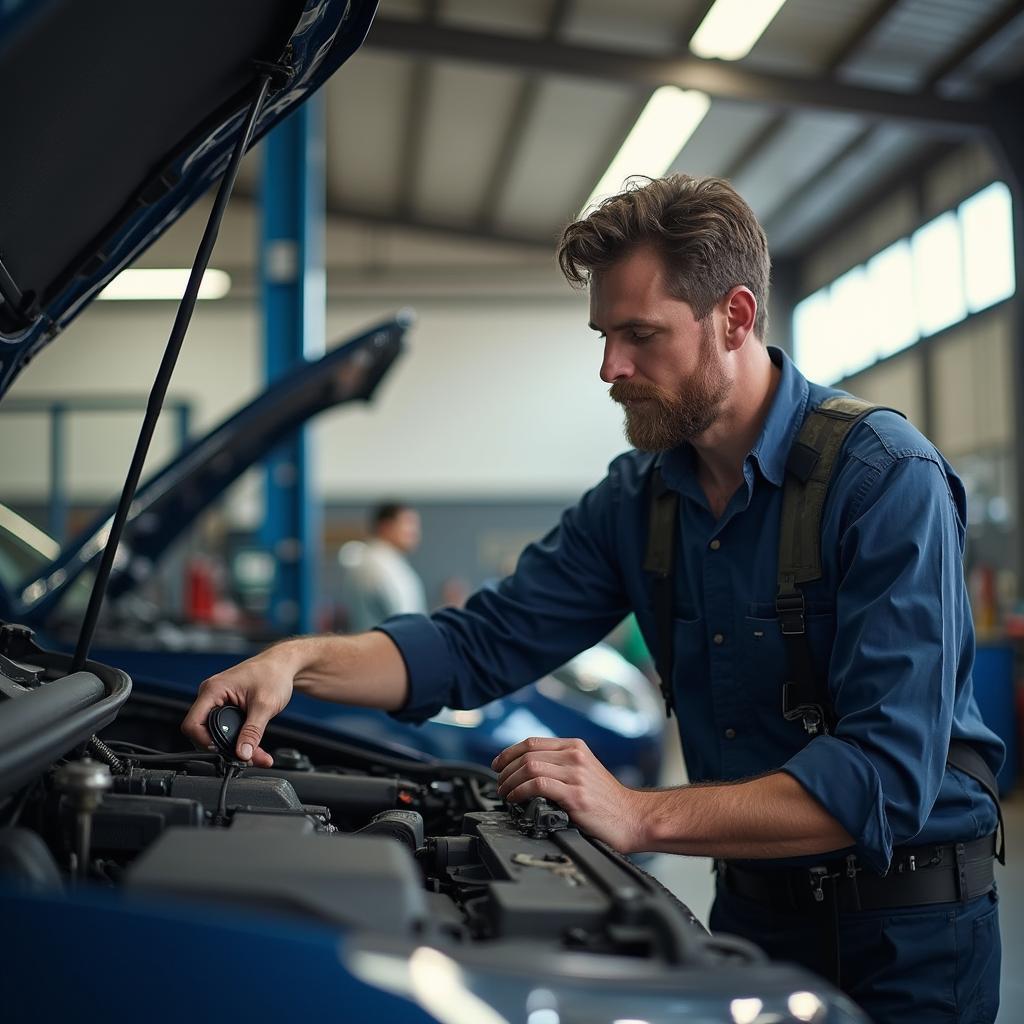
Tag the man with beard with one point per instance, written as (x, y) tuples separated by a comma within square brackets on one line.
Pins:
[(856, 849)]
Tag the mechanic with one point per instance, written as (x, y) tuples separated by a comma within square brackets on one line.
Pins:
[(378, 580), (855, 849)]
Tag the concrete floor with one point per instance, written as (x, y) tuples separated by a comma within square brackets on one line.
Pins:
[(691, 880)]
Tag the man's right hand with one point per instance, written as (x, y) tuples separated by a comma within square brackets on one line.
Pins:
[(261, 686)]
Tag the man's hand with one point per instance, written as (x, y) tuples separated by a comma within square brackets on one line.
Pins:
[(261, 686), (566, 772)]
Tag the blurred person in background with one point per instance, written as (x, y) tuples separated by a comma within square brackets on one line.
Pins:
[(378, 580)]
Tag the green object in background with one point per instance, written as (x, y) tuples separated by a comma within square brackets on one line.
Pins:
[(631, 644)]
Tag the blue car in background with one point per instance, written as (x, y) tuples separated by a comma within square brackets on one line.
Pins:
[(356, 879)]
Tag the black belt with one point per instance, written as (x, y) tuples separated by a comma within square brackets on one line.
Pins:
[(918, 876)]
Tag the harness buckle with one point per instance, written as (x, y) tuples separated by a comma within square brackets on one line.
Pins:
[(790, 610), (811, 715)]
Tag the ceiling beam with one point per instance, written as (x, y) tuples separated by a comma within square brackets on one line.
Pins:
[(770, 133), (518, 124), (718, 79), (335, 210), (846, 49), (470, 233), (863, 31), (985, 33), (644, 94), (414, 134)]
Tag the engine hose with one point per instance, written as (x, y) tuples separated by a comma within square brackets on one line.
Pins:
[(103, 753)]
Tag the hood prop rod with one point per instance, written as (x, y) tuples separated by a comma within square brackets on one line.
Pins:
[(163, 377)]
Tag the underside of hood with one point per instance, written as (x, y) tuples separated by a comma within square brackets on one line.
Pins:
[(119, 115)]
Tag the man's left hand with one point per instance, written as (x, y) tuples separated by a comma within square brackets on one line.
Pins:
[(566, 772)]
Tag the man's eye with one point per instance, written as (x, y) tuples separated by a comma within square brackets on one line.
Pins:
[(637, 336)]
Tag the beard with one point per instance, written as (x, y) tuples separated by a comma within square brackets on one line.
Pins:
[(668, 418)]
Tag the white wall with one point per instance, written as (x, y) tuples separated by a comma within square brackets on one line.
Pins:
[(493, 399), (497, 396)]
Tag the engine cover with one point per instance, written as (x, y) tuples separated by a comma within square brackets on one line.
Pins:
[(362, 881)]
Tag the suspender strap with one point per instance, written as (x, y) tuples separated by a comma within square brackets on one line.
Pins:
[(964, 757), (660, 560), (809, 470)]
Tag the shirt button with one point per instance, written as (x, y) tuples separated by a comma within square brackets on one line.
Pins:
[(730, 734), (718, 639), (715, 544)]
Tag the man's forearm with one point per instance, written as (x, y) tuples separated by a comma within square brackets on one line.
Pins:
[(772, 816), (366, 670)]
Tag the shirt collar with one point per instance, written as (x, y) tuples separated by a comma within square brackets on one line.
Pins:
[(771, 450)]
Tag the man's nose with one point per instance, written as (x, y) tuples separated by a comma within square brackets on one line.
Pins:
[(616, 364)]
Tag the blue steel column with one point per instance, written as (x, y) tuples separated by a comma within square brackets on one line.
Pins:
[(294, 310), (58, 520)]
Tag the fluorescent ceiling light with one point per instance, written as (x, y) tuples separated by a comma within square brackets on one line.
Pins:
[(730, 29), (164, 284), (665, 126)]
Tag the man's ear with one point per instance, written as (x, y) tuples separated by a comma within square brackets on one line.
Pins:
[(740, 308)]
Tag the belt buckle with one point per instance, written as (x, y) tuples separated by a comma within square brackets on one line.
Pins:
[(910, 864), (818, 876)]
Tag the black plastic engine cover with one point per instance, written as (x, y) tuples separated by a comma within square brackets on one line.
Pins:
[(126, 824), (271, 793), (533, 890), (361, 881)]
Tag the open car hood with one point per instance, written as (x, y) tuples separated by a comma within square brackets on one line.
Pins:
[(120, 115), (169, 501)]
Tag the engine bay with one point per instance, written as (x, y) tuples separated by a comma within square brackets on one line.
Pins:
[(332, 833)]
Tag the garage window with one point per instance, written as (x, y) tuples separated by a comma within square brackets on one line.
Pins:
[(958, 264)]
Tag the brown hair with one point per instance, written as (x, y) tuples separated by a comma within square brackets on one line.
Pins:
[(707, 235)]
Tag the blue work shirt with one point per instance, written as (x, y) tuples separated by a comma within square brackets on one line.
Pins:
[(889, 624)]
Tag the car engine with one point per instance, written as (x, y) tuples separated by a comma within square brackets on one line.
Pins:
[(333, 832)]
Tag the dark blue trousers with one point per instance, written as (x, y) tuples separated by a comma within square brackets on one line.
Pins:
[(919, 965)]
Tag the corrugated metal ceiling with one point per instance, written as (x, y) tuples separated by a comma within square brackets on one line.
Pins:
[(509, 152)]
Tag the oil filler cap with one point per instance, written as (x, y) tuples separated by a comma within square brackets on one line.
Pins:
[(224, 724)]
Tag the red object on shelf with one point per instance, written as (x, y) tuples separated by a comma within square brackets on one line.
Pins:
[(200, 590)]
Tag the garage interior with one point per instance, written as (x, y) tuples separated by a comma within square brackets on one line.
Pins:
[(879, 143)]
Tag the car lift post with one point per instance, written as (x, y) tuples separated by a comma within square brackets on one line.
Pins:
[(293, 289)]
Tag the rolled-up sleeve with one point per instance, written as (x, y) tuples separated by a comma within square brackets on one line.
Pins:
[(427, 664), (893, 670), (566, 593)]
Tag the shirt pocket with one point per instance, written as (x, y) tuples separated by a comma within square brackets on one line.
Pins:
[(764, 663), (690, 653)]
